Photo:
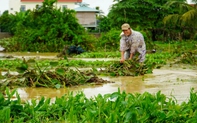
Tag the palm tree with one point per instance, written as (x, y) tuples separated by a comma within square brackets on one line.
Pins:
[(183, 17)]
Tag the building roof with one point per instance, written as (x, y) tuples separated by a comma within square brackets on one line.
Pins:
[(83, 7)]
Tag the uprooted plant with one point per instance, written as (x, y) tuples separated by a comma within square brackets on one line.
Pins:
[(53, 77), (129, 68)]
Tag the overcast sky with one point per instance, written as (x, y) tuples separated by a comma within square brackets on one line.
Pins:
[(103, 4), (3, 5)]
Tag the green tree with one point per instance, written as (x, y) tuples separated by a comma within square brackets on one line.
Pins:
[(104, 24), (103, 21), (47, 29), (6, 22), (144, 14), (183, 18)]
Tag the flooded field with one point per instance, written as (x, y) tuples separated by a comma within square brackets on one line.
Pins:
[(175, 81)]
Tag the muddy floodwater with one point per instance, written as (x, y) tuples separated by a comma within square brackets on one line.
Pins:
[(173, 81)]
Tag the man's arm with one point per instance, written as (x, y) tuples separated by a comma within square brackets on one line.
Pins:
[(131, 56), (122, 57)]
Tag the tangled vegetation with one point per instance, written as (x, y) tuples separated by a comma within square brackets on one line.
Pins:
[(128, 68), (31, 75)]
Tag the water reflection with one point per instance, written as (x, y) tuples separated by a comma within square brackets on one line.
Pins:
[(175, 83)]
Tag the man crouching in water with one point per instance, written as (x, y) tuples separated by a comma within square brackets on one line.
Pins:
[(131, 42)]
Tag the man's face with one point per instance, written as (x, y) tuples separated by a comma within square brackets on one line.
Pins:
[(127, 32)]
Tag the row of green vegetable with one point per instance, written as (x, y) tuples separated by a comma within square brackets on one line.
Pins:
[(118, 107), (158, 58)]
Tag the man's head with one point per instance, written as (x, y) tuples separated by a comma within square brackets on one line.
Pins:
[(126, 29)]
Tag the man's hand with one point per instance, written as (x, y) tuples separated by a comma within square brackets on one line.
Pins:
[(122, 60)]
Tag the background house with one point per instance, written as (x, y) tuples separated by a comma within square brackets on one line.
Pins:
[(23, 5), (86, 15)]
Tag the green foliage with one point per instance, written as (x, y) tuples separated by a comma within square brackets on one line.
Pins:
[(109, 41), (7, 22), (195, 37), (116, 107), (182, 16), (143, 13), (104, 24), (9, 107), (149, 15), (46, 28)]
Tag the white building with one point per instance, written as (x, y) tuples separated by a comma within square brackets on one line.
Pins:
[(23, 5), (86, 15)]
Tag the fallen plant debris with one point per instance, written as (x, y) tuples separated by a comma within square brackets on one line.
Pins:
[(188, 58), (55, 77), (60, 77), (128, 68)]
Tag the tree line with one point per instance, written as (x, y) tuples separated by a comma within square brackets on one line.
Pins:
[(48, 29)]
